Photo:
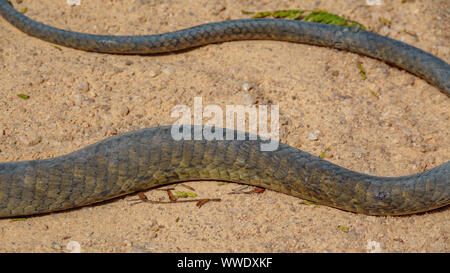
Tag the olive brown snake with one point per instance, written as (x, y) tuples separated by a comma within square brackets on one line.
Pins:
[(151, 157)]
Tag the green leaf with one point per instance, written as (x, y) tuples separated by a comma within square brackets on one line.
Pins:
[(263, 14), (315, 16), (363, 71), (374, 93), (385, 21), (288, 14), (185, 194), (343, 228), (23, 96), (18, 219), (247, 12), (322, 155)]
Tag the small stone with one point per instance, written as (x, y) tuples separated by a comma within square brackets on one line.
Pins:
[(78, 99), (127, 243), (314, 136), (385, 30), (56, 246), (406, 131), (158, 101), (92, 94), (217, 9), (246, 86), (359, 153), (248, 99), (124, 111), (73, 247), (43, 68), (284, 120), (108, 118), (117, 69), (168, 71), (73, 2), (83, 86), (374, 2), (37, 80), (154, 73), (138, 249), (128, 62), (30, 140)]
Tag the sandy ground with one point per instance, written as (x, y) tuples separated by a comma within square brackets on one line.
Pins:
[(391, 124)]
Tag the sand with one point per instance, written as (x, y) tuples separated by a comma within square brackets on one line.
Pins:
[(390, 124)]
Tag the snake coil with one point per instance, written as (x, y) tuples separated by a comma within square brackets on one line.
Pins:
[(151, 157)]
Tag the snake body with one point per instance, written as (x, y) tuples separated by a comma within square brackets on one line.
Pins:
[(150, 157)]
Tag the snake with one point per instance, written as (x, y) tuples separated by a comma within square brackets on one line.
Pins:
[(151, 157)]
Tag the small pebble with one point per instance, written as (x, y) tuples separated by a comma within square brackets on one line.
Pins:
[(314, 135), (56, 246), (284, 120), (248, 99), (168, 71), (385, 30), (154, 73), (92, 94), (83, 86), (30, 140), (127, 243), (124, 111), (37, 80), (374, 2), (43, 68), (246, 86), (217, 9), (117, 69), (138, 249), (73, 247), (78, 99), (73, 2)]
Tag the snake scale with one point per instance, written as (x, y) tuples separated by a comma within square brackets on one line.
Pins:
[(150, 157)]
